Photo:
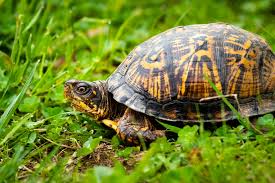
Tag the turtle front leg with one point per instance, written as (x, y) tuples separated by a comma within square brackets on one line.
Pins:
[(134, 126)]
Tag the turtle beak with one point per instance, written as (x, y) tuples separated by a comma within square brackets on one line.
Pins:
[(68, 87), (70, 82)]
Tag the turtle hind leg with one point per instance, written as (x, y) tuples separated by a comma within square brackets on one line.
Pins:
[(134, 126)]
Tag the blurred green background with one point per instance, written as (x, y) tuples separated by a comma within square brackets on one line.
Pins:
[(44, 43)]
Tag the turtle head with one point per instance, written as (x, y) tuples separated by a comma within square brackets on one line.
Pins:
[(88, 97)]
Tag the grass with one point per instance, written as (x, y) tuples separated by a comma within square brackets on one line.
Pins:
[(44, 43)]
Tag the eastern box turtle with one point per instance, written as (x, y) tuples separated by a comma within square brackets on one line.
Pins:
[(165, 78)]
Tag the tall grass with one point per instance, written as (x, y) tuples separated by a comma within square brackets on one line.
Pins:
[(44, 43)]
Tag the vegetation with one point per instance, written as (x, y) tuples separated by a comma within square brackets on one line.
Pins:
[(44, 43)]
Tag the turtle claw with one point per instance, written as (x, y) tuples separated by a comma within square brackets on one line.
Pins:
[(150, 136), (133, 137)]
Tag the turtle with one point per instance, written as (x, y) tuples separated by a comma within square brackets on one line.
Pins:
[(168, 78)]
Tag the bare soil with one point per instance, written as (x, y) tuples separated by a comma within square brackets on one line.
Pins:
[(105, 155)]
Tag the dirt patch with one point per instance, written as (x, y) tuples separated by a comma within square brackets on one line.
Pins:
[(105, 155)]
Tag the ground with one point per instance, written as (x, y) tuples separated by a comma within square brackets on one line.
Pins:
[(42, 139)]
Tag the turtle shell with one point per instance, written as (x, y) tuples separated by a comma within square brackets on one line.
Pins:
[(166, 76)]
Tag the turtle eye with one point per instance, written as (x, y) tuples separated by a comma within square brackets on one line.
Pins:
[(82, 89)]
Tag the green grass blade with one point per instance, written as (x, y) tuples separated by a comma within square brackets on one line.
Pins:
[(9, 169), (34, 19), (17, 36), (124, 26), (15, 51), (95, 20), (6, 116), (170, 127), (244, 121), (182, 17), (16, 127)]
